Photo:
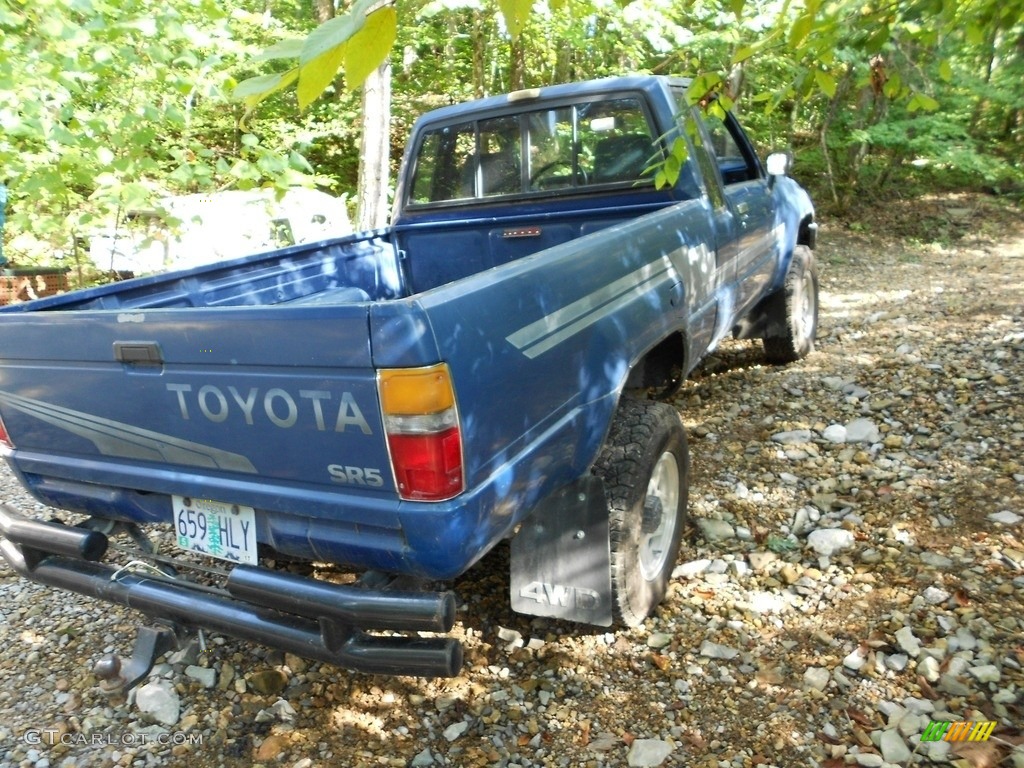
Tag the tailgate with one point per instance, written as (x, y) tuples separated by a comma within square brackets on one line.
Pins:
[(284, 396)]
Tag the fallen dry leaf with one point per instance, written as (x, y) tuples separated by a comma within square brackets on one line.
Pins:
[(859, 717), (661, 662), (981, 754), (585, 733), (695, 740)]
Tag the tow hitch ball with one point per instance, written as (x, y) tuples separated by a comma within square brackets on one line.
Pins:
[(116, 677)]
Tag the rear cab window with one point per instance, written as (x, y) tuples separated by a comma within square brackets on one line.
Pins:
[(600, 143)]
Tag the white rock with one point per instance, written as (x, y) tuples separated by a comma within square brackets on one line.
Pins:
[(855, 660), (453, 731), (208, 677), (740, 568), (159, 700), (965, 639), (283, 710), (862, 431), (828, 541), (989, 673), (648, 753), (897, 661), (936, 560), (929, 669), (816, 678), (793, 437), (919, 706), (935, 596), (869, 760), (801, 521), (1006, 517), (907, 642), (716, 651), (936, 751), (894, 748), (715, 530), (853, 390), (691, 569), (658, 639), (511, 637), (835, 433), (760, 561), (423, 759), (911, 724)]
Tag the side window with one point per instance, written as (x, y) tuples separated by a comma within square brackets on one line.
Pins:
[(706, 163), (732, 159)]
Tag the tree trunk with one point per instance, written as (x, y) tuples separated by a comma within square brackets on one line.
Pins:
[(374, 150), (324, 10)]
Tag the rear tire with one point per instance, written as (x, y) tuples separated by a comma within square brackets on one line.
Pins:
[(645, 468), (793, 311)]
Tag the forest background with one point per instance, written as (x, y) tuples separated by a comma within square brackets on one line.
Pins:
[(106, 107)]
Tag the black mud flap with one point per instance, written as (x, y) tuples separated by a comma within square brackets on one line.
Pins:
[(561, 557)]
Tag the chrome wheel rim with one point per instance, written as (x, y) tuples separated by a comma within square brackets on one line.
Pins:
[(662, 488), (804, 316)]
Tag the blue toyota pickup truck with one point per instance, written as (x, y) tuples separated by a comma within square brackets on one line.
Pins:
[(488, 367)]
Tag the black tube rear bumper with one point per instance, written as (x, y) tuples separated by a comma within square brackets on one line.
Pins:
[(310, 618)]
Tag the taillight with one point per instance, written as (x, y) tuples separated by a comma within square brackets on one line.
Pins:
[(5, 440), (422, 426)]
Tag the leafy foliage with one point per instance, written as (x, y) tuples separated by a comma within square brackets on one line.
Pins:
[(104, 106)]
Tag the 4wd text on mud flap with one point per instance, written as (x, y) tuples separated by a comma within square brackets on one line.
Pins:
[(278, 405), (561, 595)]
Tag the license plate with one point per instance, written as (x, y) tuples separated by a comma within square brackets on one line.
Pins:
[(227, 531)]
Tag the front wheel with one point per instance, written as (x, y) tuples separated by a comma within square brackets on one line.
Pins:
[(645, 468), (793, 311)]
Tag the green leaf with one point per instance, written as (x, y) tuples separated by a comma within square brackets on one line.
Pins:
[(946, 71), (826, 83), (256, 89), (702, 86), (743, 54), (316, 75), (334, 33), (285, 49), (516, 13), (737, 8), (800, 29), (922, 101), (370, 46), (893, 86)]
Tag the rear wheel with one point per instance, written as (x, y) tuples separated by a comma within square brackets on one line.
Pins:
[(793, 311), (645, 468)]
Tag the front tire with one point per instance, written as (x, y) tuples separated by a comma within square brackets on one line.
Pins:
[(645, 468), (793, 312)]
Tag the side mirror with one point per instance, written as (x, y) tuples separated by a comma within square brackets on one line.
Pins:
[(778, 164)]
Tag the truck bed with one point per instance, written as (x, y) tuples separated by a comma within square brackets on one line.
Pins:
[(360, 267)]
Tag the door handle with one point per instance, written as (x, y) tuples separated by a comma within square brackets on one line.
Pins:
[(138, 353)]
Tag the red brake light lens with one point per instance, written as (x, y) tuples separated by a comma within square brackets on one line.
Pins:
[(423, 433)]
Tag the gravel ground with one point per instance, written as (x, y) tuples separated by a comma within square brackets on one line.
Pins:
[(855, 570)]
